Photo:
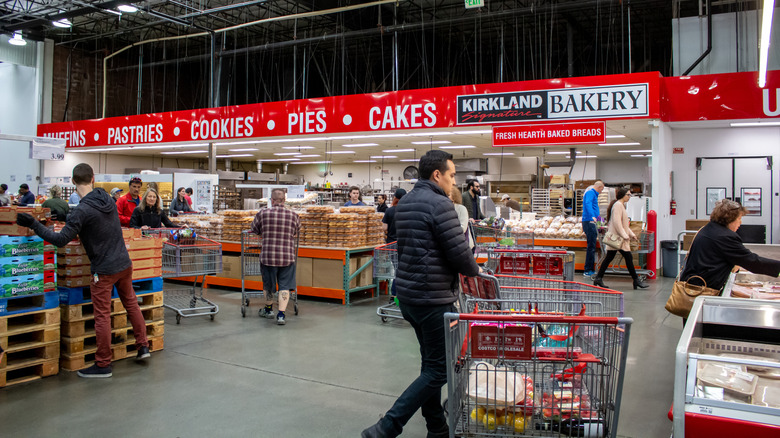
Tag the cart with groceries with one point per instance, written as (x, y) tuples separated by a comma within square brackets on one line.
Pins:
[(185, 254), (531, 262), (548, 362), (640, 250), (498, 235), (251, 247), (385, 268)]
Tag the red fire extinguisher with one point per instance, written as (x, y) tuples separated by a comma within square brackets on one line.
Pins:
[(673, 207)]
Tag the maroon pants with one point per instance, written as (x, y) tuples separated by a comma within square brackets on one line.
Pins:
[(101, 301)]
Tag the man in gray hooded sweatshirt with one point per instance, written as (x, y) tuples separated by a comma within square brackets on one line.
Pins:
[(96, 222)]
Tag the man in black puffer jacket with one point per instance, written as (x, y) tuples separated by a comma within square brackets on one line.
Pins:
[(96, 222), (432, 250)]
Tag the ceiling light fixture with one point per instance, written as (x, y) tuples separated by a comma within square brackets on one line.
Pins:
[(384, 156), (243, 150), (399, 150), (633, 143), (766, 31), (17, 39), (432, 142), (364, 161), (409, 160), (234, 155), (184, 152), (297, 147), (339, 152), (635, 151), (616, 136), (307, 156), (744, 124), (359, 145), (280, 154), (313, 162), (64, 23), (641, 155), (457, 147), (127, 8), (498, 153), (589, 156)]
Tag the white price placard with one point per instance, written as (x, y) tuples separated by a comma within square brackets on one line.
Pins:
[(53, 149)]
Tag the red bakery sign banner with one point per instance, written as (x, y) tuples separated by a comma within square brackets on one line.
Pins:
[(623, 96), (549, 134)]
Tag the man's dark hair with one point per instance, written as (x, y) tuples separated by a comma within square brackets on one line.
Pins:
[(188, 190), (83, 174), (433, 160), (470, 183), (4, 186), (24, 186)]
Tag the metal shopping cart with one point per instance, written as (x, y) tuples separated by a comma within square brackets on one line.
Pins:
[(538, 295), (251, 247), (644, 245), (185, 257), (503, 382), (532, 262), (385, 267), (487, 237)]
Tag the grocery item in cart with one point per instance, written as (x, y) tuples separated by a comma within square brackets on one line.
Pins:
[(498, 387)]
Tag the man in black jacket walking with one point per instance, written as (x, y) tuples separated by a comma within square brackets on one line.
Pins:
[(432, 251), (96, 222)]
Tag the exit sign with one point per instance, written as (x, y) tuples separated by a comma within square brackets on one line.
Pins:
[(474, 3), (678, 150)]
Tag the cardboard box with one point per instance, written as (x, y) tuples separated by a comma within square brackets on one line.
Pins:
[(73, 260), (695, 224), (84, 280), (143, 243), (75, 248), (328, 274), (146, 273), (367, 276), (11, 229), (19, 286), (131, 233), (21, 266), (147, 263), (303, 272), (559, 179), (12, 246), (8, 214), (74, 271), (139, 254), (687, 239)]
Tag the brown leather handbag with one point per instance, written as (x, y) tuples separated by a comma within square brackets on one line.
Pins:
[(683, 295)]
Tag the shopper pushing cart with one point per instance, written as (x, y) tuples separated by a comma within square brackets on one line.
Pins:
[(279, 228)]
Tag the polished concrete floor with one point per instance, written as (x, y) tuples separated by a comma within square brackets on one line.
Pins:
[(330, 372)]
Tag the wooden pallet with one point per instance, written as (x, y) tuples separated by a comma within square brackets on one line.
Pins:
[(31, 343), (77, 312), (82, 360), (87, 343), (86, 326)]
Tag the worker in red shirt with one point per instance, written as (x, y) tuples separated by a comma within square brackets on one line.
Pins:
[(126, 204)]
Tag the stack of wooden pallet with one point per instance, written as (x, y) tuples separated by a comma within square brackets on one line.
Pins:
[(78, 344)]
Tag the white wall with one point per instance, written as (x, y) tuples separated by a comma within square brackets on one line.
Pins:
[(689, 41), (18, 116), (628, 170), (723, 142)]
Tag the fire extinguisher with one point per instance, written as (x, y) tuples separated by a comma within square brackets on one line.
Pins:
[(673, 207)]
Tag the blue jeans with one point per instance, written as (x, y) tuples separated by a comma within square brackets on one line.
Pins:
[(425, 392), (590, 256)]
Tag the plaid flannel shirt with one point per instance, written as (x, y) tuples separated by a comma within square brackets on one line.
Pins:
[(279, 228)]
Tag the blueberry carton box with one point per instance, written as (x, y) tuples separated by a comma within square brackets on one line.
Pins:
[(21, 266), (15, 246), (19, 286)]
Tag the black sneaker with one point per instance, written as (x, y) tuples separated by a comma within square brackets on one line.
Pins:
[(143, 353), (280, 318), (96, 372)]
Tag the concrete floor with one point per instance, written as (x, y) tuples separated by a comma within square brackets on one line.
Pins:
[(330, 372)]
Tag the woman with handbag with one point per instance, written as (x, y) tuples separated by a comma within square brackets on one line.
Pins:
[(715, 251), (618, 238)]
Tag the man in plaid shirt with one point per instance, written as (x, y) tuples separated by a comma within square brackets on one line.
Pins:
[(279, 228)]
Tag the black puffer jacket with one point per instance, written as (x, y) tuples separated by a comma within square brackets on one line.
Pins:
[(432, 248), (149, 217), (96, 222)]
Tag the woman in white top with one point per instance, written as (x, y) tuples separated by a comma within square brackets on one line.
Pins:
[(617, 219)]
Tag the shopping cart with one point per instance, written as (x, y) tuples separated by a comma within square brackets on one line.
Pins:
[(251, 247), (538, 295), (385, 267), (186, 257), (486, 237), (555, 264), (644, 245), (503, 380)]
